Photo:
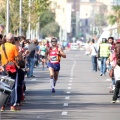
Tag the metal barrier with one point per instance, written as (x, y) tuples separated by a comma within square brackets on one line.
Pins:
[(6, 85), (7, 80)]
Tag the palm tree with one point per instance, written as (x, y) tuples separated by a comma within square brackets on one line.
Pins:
[(115, 17)]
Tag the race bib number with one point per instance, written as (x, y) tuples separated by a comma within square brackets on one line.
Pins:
[(54, 59), (42, 53)]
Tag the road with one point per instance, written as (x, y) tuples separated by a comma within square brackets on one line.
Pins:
[(80, 94)]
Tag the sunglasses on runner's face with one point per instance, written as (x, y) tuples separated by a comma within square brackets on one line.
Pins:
[(53, 41)]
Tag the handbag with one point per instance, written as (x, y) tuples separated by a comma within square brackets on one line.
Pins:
[(111, 73), (97, 52), (10, 66)]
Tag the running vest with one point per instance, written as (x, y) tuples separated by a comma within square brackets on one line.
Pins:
[(43, 50), (104, 50), (54, 57)]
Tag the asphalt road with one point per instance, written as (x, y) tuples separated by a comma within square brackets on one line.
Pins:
[(80, 94)]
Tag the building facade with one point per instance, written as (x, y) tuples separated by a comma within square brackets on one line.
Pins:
[(77, 18)]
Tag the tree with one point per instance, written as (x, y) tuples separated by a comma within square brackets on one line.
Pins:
[(115, 17), (51, 29), (36, 9), (47, 17)]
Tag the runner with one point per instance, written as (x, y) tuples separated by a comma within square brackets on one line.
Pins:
[(43, 54), (54, 54)]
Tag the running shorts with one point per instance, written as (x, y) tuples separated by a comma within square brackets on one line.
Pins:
[(56, 67)]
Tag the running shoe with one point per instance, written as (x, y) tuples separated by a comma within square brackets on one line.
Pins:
[(13, 108), (53, 90), (113, 101), (101, 74), (2, 108), (33, 76)]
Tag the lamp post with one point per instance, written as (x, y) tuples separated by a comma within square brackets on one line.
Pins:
[(29, 26), (7, 17), (20, 24)]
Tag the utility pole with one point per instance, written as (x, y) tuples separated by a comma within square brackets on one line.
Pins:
[(29, 26), (20, 24), (7, 17)]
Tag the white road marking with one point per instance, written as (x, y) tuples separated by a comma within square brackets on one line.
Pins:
[(69, 87), (70, 80), (67, 98), (108, 80), (64, 113), (69, 84), (65, 104), (33, 79), (68, 92)]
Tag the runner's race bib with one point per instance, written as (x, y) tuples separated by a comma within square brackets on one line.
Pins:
[(54, 59)]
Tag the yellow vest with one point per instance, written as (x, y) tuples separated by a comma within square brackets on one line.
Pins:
[(104, 50)]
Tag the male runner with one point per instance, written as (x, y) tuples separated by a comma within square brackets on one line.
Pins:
[(54, 54)]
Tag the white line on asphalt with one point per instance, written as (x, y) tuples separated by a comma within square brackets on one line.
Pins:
[(67, 98), (64, 113), (70, 80), (68, 92), (65, 104), (33, 79), (108, 80), (69, 84), (69, 87)]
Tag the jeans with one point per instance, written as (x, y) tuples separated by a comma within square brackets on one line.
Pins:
[(30, 66), (94, 63), (116, 92), (103, 65)]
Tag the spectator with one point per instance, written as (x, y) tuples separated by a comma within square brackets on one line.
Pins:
[(31, 50), (93, 51), (12, 55), (104, 54)]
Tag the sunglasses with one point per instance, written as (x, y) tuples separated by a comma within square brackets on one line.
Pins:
[(54, 41)]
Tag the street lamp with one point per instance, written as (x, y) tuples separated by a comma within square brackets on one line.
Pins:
[(7, 17), (20, 24)]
